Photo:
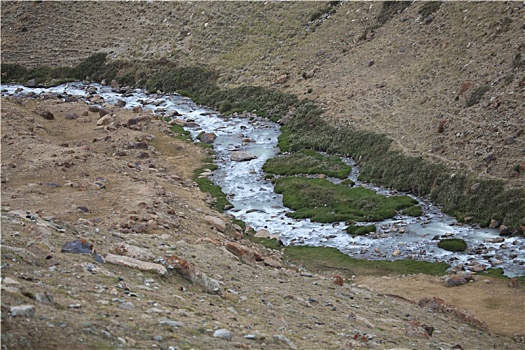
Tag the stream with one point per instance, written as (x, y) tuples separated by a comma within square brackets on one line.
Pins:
[(255, 203)]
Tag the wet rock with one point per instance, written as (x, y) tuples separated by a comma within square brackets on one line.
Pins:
[(23, 311), (135, 263), (504, 231), (494, 240), (223, 334), (245, 253), (208, 137), (240, 156), (133, 252), (121, 103), (216, 223)]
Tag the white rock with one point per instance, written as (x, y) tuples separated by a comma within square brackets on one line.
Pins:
[(23, 311), (135, 264), (215, 222), (223, 334)]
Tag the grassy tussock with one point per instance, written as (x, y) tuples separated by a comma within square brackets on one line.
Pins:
[(323, 201), (307, 162)]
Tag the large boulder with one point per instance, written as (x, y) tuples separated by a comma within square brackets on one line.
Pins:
[(239, 156)]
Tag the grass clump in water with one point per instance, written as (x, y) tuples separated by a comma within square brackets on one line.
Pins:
[(307, 162), (361, 230), (323, 201), (453, 244)]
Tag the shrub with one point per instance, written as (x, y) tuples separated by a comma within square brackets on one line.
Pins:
[(453, 244)]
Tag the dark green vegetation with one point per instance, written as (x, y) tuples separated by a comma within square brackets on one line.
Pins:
[(323, 201), (361, 230), (453, 244), (307, 130), (206, 185), (307, 162)]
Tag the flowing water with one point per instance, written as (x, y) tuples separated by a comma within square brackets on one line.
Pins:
[(255, 202)]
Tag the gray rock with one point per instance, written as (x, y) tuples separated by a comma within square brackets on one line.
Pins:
[(208, 137), (223, 334), (23, 311), (171, 323), (283, 339), (216, 223), (239, 156)]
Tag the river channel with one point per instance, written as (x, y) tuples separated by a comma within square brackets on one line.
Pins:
[(255, 202)]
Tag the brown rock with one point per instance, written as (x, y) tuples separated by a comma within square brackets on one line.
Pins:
[(188, 271), (216, 223), (47, 115), (272, 263), (493, 223), (245, 253)]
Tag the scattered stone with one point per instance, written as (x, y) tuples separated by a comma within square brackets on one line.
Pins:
[(72, 116), (245, 253), (78, 246), (23, 311), (94, 108), (133, 252), (168, 322), (216, 223), (475, 187), (47, 115), (272, 263), (106, 119), (283, 339), (45, 298), (458, 279), (189, 272), (494, 223), (135, 264), (223, 334)]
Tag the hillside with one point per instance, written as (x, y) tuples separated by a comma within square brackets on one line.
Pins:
[(445, 81), (412, 72)]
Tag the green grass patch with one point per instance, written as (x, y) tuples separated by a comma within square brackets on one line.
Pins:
[(415, 210), (323, 259), (361, 230), (498, 273), (206, 185), (307, 162), (323, 201), (453, 245)]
